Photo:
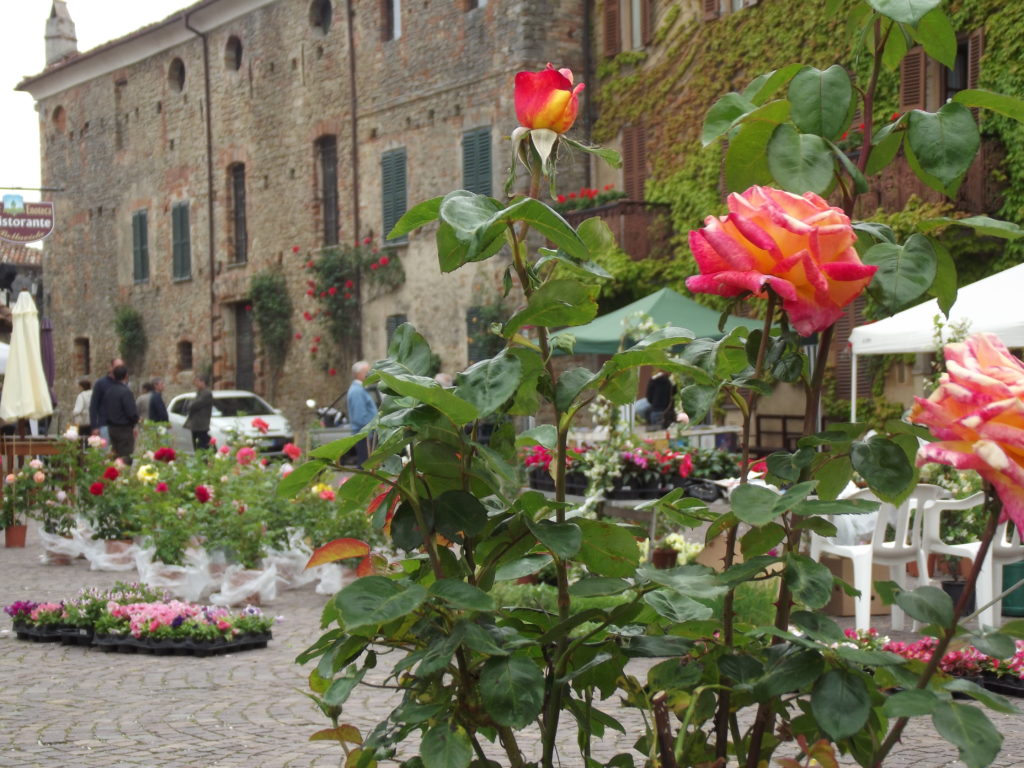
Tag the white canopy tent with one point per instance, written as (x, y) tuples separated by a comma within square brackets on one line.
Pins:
[(993, 304)]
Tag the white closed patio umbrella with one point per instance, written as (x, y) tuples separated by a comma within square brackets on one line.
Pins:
[(25, 394)]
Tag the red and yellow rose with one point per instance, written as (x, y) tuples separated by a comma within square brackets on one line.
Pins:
[(547, 99), (797, 245)]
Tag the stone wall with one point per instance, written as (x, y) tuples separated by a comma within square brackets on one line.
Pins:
[(131, 140)]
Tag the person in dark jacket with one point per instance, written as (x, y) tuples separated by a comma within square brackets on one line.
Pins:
[(120, 415), (157, 408), (96, 418), (199, 412), (660, 392)]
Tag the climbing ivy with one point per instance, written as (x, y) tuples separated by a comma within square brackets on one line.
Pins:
[(131, 335), (693, 63), (272, 315)]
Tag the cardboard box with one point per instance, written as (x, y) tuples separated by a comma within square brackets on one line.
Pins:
[(841, 603)]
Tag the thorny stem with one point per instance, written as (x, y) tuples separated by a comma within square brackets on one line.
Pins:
[(728, 614), (765, 711), (948, 632), (869, 97), (428, 541)]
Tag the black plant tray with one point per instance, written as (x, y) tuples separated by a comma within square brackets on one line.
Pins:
[(76, 635), (129, 644), (44, 634), (1007, 685)]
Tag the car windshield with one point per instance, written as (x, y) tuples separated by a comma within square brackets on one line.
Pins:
[(241, 405)]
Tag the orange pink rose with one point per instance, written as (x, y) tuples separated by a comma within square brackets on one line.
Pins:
[(977, 414), (797, 245)]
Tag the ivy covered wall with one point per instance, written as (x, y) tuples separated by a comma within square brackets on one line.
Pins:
[(691, 63)]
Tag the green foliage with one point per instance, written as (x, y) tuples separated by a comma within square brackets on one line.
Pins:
[(272, 314), (472, 662), (131, 334), (346, 276)]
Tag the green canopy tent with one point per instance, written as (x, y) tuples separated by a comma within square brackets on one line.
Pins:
[(602, 335)]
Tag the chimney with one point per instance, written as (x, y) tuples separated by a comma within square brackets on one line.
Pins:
[(61, 41)]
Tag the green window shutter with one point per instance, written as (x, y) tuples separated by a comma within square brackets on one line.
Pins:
[(392, 323), (181, 243), (140, 247), (476, 161), (136, 247), (478, 343), (393, 190)]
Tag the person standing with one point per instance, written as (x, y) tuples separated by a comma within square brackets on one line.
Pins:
[(80, 413), (120, 415), (157, 408), (199, 412), (97, 419), (142, 401), (361, 408)]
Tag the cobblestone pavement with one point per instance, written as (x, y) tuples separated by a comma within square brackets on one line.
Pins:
[(82, 708)]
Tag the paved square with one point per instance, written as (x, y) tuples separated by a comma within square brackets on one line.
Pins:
[(82, 708)]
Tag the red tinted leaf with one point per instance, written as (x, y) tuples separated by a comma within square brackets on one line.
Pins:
[(343, 733), (339, 549)]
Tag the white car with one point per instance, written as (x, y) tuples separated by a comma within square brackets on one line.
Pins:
[(233, 413)]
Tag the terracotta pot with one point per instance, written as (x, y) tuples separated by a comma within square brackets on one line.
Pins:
[(119, 551), (56, 558), (664, 558), (237, 579), (14, 535)]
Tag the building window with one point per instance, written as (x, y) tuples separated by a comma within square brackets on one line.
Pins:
[(627, 25), (176, 75), (391, 325), (60, 119), (181, 242), (233, 54), (715, 8), (140, 246), (926, 84), (393, 193), (476, 161), (236, 200), (184, 355), (634, 161), (480, 342), (391, 19), (82, 361), (473, 4), (320, 15), (327, 161), (120, 115), (612, 27)]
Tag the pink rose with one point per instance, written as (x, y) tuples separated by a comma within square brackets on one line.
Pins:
[(292, 451), (799, 246), (977, 413), (245, 455), (39, 477)]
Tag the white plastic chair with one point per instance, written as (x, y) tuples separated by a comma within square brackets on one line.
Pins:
[(903, 548), (1006, 548)]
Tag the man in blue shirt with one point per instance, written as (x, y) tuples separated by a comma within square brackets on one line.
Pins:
[(361, 407)]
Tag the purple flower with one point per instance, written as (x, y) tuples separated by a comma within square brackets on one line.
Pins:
[(20, 608)]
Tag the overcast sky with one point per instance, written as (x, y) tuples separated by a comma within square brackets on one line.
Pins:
[(22, 52)]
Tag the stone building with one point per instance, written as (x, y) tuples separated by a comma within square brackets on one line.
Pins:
[(239, 136)]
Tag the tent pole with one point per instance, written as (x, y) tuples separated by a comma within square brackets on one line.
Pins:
[(853, 386)]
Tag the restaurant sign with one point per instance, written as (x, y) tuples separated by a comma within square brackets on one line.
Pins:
[(22, 222)]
